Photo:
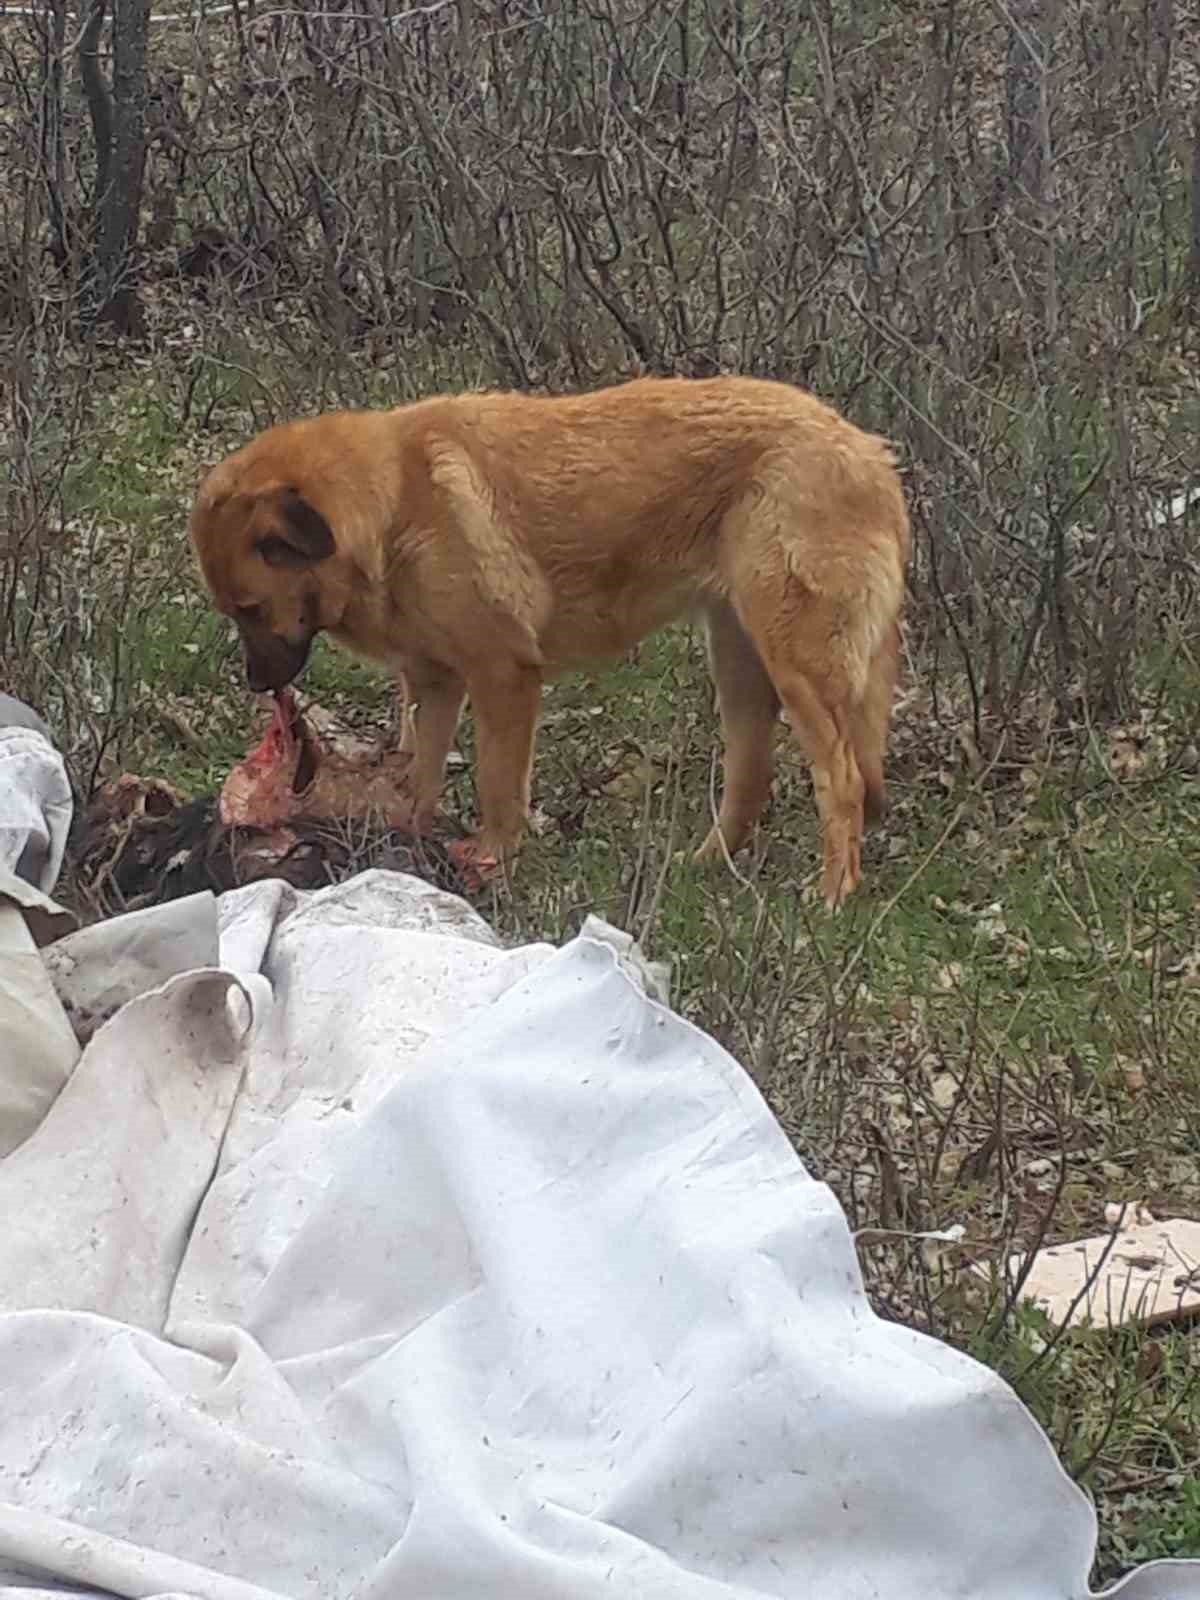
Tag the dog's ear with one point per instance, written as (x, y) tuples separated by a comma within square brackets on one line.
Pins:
[(303, 537)]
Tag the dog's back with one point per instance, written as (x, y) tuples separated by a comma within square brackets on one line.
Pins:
[(636, 501), (652, 464)]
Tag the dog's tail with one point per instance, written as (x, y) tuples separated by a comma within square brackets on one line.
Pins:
[(870, 718)]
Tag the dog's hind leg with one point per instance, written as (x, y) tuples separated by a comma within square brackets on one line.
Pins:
[(820, 711), (749, 709), (871, 719), (816, 643)]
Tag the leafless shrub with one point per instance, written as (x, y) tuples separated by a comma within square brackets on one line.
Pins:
[(973, 227)]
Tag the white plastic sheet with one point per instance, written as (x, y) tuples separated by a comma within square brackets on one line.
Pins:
[(368, 1258)]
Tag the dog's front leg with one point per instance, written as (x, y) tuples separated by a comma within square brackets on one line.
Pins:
[(504, 702), (436, 697), (400, 734)]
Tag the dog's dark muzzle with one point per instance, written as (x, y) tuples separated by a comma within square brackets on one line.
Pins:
[(273, 662)]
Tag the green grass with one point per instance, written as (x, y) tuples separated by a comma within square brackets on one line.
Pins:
[(1005, 974)]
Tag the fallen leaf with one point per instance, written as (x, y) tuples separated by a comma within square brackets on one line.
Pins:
[(944, 1090), (948, 977)]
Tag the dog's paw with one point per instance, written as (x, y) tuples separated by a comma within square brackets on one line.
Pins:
[(475, 866), (838, 881)]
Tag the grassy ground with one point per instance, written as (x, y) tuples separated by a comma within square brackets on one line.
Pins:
[(1000, 1032)]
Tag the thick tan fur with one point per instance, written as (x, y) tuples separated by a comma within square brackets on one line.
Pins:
[(478, 543)]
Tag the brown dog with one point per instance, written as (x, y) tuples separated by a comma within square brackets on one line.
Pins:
[(476, 543)]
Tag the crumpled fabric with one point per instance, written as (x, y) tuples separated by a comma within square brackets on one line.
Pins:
[(363, 1257), (36, 805), (38, 1048)]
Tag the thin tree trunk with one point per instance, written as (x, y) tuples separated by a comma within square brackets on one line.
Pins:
[(120, 203), (99, 100), (1023, 93), (51, 130)]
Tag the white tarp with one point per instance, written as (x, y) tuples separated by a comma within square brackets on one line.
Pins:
[(38, 1049), (366, 1258)]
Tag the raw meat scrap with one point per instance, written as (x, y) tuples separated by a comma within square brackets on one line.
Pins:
[(293, 771)]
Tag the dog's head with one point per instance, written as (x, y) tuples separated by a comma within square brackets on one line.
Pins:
[(269, 558)]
